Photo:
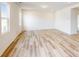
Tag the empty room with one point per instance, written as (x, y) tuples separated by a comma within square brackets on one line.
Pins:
[(39, 29)]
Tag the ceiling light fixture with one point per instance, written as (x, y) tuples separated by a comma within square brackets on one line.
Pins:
[(44, 6)]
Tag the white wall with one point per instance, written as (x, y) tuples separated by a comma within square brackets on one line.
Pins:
[(77, 15), (34, 20), (63, 19), (78, 22), (74, 28), (15, 29), (0, 23), (66, 20)]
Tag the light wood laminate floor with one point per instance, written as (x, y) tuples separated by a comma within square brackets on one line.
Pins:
[(46, 43)]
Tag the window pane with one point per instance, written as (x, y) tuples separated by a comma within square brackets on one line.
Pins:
[(4, 25), (4, 17), (4, 10)]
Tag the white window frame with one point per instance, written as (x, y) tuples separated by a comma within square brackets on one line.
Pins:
[(8, 20)]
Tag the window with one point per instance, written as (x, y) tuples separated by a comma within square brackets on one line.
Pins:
[(4, 17)]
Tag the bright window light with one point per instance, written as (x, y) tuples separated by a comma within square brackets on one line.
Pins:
[(4, 17)]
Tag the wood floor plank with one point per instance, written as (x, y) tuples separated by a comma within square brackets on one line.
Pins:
[(47, 43)]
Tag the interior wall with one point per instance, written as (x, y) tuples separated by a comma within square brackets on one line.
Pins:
[(0, 23), (15, 29), (78, 22), (66, 20), (36, 20), (77, 15), (63, 20), (74, 25)]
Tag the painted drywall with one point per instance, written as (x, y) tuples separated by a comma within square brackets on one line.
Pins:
[(0, 23), (77, 17), (15, 29), (62, 20), (66, 20), (78, 22), (74, 28), (34, 20)]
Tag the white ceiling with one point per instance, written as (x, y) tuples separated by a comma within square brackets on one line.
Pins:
[(52, 6)]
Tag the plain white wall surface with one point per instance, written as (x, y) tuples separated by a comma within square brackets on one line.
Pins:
[(78, 22), (0, 23), (62, 20), (77, 15), (7, 38), (33, 20), (74, 28)]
